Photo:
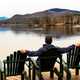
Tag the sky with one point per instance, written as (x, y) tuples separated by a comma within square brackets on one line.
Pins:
[(11, 7)]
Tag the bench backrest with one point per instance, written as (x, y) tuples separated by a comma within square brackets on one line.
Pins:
[(47, 59), (14, 64), (73, 58)]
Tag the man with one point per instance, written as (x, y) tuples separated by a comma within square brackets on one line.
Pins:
[(47, 46)]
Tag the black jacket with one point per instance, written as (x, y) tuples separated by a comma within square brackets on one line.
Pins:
[(46, 47)]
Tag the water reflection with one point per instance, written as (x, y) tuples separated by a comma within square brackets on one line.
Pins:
[(55, 31)]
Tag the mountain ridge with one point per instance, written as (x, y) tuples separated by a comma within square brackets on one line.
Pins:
[(54, 10), (48, 17)]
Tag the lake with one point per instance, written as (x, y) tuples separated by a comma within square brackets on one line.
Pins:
[(32, 38)]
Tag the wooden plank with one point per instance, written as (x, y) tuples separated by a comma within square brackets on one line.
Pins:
[(11, 64), (17, 63), (4, 69), (14, 63), (7, 68)]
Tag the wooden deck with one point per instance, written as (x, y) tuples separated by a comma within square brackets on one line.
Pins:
[(46, 76)]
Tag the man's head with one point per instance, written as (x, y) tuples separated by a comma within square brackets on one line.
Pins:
[(48, 39)]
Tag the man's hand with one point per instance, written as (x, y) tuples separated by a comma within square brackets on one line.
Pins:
[(77, 45), (23, 51)]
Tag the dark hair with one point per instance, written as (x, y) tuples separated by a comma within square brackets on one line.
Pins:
[(48, 39)]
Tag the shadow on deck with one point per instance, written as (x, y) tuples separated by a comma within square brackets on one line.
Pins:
[(46, 76)]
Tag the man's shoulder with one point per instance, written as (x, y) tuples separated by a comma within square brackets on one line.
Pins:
[(48, 46), (44, 45)]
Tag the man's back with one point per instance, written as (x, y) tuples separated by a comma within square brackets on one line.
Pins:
[(47, 59)]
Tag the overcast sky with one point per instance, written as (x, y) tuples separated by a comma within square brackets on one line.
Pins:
[(11, 7)]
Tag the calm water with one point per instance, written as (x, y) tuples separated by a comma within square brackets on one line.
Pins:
[(13, 40)]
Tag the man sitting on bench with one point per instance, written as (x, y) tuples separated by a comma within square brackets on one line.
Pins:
[(48, 45)]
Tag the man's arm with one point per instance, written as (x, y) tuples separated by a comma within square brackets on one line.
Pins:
[(33, 53), (64, 50)]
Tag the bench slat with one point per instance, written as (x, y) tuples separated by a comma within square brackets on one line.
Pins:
[(72, 58)]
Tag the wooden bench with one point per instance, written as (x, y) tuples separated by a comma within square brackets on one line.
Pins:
[(73, 59), (1, 75), (14, 65), (45, 63)]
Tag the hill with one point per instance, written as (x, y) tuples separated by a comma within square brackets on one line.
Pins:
[(50, 17)]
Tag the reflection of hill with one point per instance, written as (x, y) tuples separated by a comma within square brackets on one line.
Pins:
[(45, 18), (56, 31)]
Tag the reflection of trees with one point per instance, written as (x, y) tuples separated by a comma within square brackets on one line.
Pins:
[(47, 29), (35, 20), (68, 29), (69, 21), (47, 20)]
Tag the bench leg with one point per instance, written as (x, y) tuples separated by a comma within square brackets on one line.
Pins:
[(38, 73), (22, 76), (33, 73), (1, 76), (51, 74), (77, 71), (58, 74), (68, 73)]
